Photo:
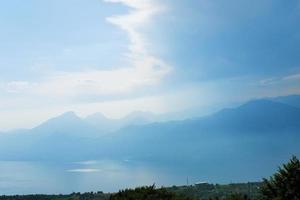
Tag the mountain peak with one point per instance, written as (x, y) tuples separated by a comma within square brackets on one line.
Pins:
[(68, 114), (64, 120), (258, 103), (97, 116)]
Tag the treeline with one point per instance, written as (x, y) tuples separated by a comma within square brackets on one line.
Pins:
[(283, 185), (148, 193), (196, 192), (73, 196), (207, 191)]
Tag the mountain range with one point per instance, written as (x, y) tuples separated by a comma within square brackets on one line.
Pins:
[(258, 134), (102, 123)]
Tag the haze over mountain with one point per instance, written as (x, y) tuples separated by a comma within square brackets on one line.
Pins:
[(293, 100), (143, 87), (99, 121), (251, 133), (262, 119), (67, 124)]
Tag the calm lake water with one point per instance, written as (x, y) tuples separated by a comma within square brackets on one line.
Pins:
[(106, 175)]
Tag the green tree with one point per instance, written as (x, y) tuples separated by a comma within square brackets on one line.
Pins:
[(146, 193), (285, 184)]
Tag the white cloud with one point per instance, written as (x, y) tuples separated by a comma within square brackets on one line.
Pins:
[(145, 70), (85, 170), (143, 11), (92, 82), (25, 103), (96, 82), (280, 80), (292, 77), (16, 86)]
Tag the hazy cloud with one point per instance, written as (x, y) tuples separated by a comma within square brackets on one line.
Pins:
[(145, 70)]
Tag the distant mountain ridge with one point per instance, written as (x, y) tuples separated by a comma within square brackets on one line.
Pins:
[(259, 115), (292, 100), (259, 133), (101, 124), (135, 118), (67, 123)]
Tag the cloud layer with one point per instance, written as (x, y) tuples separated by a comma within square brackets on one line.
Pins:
[(144, 70)]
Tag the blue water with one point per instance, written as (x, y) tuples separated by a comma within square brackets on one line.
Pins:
[(21, 177), (54, 178)]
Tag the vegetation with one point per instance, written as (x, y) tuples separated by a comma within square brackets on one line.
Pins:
[(147, 193), (73, 196), (207, 191), (285, 184)]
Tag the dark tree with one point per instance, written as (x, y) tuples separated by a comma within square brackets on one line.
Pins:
[(285, 184), (146, 193)]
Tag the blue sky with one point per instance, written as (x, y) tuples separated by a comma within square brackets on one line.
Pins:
[(118, 56)]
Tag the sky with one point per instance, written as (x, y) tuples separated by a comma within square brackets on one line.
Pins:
[(164, 56)]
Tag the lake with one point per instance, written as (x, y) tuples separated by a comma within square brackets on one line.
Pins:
[(18, 177), (22, 177)]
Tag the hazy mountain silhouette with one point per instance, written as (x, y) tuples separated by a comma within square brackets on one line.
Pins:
[(261, 121), (260, 131), (258, 116), (292, 100), (99, 121), (67, 124)]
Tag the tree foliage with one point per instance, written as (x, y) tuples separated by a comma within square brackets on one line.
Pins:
[(147, 193), (285, 184)]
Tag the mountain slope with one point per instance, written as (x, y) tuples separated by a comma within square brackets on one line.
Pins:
[(292, 100), (258, 116), (66, 124), (257, 127), (65, 137)]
